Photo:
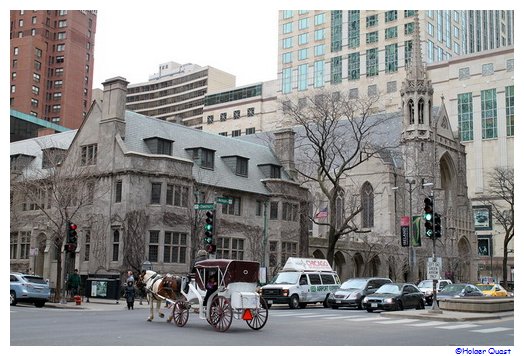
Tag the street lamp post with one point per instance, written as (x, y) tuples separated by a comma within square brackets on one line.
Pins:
[(411, 257)]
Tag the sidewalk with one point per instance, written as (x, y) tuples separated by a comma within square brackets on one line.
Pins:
[(99, 304)]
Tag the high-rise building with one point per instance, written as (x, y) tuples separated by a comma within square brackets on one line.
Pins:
[(51, 64), (368, 50), (176, 93)]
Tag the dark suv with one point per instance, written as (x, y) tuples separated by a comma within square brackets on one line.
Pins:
[(352, 291)]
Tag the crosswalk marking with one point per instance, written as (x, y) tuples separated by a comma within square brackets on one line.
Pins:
[(492, 330), (458, 326), (339, 317), (364, 319), (396, 321), (430, 323), (309, 316)]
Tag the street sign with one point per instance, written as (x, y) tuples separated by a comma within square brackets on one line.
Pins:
[(204, 206), (434, 269), (222, 200)]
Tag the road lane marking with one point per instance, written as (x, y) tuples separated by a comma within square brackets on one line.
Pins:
[(459, 326), (396, 321), (430, 323), (492, 330)]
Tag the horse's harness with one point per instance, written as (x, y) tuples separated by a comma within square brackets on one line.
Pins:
[(155, 277)]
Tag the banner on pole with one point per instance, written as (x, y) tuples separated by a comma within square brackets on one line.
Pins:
[(404, 231), (415, 234)]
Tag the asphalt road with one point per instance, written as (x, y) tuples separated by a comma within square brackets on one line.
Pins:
[(314, 326)]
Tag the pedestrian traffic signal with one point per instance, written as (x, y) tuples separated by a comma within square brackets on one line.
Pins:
[(428, 217), (437, 227), (209, 228)]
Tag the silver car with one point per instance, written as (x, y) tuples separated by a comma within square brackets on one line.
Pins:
[(27, 288)]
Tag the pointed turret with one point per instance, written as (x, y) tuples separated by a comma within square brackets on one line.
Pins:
[(416, 93)]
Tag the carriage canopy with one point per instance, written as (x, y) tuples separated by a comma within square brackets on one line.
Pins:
[(230, 271)]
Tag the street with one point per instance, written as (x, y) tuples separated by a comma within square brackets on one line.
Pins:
[(313, 326)]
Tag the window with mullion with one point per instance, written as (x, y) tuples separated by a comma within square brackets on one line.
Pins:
[(175, 247), (510, 111), (488, 100), (153, 245), (465, 116), (234, 208)]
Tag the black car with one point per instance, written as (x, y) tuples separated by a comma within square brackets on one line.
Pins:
[(352, 291), (394, 296)]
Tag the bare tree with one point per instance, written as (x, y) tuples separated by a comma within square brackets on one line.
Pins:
[(60, 192), (336, 134), (501, 198)]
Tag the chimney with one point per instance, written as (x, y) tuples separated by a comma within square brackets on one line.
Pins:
[(285, 150), (114, 99)]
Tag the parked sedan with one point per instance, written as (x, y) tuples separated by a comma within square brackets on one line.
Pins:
[(459, 290), (27, 288), (493, 290), (394, 296)]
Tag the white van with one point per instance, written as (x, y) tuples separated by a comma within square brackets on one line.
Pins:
[(302, 281)]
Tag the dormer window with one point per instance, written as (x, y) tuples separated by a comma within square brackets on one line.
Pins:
[(203, 157), (20, 161), (237, 164), (271, 170), (159, 146)]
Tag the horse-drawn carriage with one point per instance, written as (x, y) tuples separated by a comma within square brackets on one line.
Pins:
[(234, 296)]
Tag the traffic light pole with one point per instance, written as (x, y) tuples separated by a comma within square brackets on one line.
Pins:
[(434, 306)]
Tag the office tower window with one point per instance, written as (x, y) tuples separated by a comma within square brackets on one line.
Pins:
[(320, 19), (372, 37), (465, 116), (409, 28), (354, 66), (156, 191), (488, 103), (286, 14), (391, 15), (250, 112), (62, 23), (371, 21), (336, 30), (287, 27), (302, 54), (464, 73), (236, 114), (303, 23), (286, 57), (302, 77), (391, 87), (320, 34), (209, 119), (408, 50), (487, 69), (287, 42), (250, 131), (354, 28), (431, 52), (336, 70), (372, 90), (286, 80), (372, 62), (320, 50), (391, 58), (391, 32), (318, 74), (409, 13), (303, 38), (34, 102), (223, 116), (510, 111), (223, 134)]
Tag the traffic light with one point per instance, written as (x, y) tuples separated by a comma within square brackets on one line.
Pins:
[(437, 226), (71, 237), (209, 228), (428, 217)]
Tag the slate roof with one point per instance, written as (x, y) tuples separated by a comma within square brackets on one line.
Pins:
[(140, 127)]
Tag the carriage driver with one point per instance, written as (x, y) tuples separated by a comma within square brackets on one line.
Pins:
[(211, 286)]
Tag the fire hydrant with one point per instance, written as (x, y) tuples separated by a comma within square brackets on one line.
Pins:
[(78, 299)]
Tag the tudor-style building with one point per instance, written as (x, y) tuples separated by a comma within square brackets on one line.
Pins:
[(147, 176)]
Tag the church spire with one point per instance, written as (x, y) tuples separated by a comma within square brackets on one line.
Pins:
[(416, 69)]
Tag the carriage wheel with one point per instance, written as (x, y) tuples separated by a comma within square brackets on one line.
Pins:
[(180, 313), (221, 313), (259, 316)]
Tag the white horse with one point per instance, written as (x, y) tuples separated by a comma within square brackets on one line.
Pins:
[(159, 288)]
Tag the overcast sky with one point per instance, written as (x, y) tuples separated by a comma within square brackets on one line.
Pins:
[(132, 42)]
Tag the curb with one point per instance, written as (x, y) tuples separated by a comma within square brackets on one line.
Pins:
[(447, 316)]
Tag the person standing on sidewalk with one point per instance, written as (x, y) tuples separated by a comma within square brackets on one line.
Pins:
[(73, 282)]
